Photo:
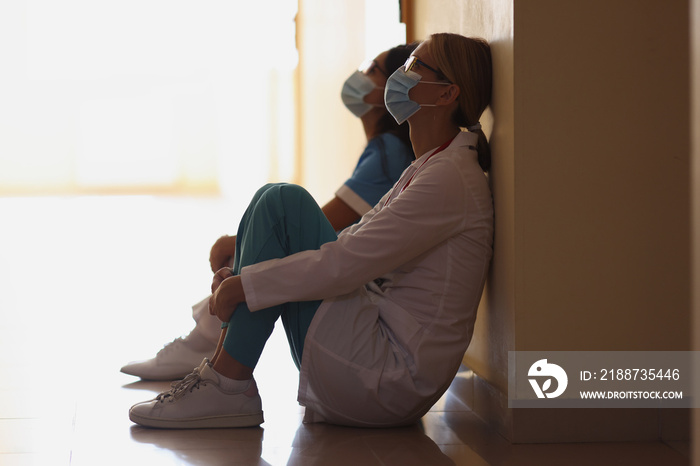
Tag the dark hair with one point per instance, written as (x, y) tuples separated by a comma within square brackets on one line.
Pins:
[(396, 57)]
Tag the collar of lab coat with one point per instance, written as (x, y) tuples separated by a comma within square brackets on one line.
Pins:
[(463, 138)]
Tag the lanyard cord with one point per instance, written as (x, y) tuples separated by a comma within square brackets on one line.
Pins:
[(438, 150)]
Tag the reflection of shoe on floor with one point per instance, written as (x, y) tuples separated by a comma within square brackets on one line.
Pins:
[(174, 361), (199, 402)]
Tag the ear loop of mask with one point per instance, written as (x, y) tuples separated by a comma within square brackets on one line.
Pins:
[(396, 98), (432, 82)]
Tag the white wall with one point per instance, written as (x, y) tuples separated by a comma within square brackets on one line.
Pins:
[(334, 39), (331, 42)]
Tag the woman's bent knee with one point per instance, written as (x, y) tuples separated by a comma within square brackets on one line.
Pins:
[(286, 195)]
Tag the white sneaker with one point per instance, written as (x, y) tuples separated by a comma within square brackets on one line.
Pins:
[(198, 402), (174, 361)]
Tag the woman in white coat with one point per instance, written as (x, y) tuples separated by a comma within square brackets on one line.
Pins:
[(387, 153), (378, 319)]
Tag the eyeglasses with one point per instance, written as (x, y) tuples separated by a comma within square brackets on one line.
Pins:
[(413, 61), (370, 66)]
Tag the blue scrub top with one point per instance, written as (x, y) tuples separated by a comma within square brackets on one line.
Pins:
[(378, 170)]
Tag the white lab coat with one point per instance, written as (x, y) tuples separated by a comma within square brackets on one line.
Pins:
[(400, 291)]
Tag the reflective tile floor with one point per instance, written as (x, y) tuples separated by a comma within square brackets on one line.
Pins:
[(89, 283)]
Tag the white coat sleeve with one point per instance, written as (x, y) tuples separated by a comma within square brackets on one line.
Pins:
[(368, 215), (429, 211)]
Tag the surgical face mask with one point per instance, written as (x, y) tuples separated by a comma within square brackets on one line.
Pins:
[(396, 97), (356, 87)]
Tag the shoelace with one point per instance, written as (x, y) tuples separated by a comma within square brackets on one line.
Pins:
[(178, 389), (169, 346)]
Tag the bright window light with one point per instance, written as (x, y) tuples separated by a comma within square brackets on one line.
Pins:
[(383, 29), (158, 93)]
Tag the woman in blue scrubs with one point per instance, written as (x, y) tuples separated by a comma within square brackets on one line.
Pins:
[(387, 153), (378, 317)]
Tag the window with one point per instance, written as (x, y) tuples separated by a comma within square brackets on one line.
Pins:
[(145, 95)]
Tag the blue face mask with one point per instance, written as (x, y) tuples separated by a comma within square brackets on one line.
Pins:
[(396, 97), (356, 87)]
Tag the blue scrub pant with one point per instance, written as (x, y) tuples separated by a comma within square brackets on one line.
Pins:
[(282, 219)]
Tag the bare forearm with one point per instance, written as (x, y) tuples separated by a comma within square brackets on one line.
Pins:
[(222, 252), (339, 214), (226, 296)]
